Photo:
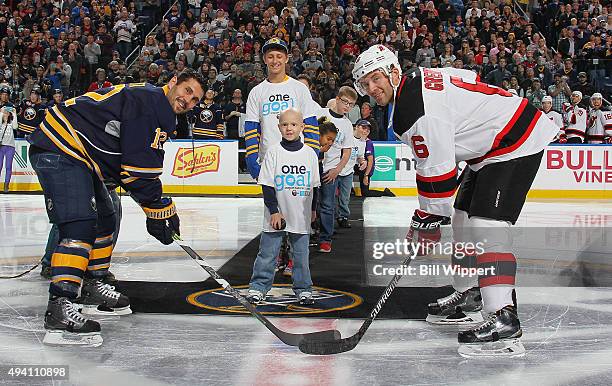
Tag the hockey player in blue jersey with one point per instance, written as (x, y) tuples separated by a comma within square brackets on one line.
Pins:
[(115, 133)]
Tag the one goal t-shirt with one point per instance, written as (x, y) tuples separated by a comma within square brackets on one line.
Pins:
[(293, 175)]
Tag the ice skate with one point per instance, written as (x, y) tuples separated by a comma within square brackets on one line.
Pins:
[(459, 308), (67, 327), (255, 296), (98, 298), (497, 336)]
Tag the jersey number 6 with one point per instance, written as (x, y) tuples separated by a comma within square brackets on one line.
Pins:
[(419, 147)]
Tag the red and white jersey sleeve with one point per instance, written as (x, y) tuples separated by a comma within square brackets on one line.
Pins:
[(436, 169), (447, 119), (596, 130), (557, 119), (575, 119)]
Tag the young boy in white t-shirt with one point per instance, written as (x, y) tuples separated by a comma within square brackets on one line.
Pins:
[(334, 162), (289, 178)]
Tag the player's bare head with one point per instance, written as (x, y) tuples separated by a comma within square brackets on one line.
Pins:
[(377, 73), (327, 133), (596, 100), (185, 91), (547, 103), (291, 124)]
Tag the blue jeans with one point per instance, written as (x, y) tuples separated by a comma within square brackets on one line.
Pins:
[(327, 205), (263, 269), (345, 183)]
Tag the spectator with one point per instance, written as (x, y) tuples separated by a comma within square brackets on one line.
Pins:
[(124, 28), (500, 73), (535, 93), (100, 81), (560, 92)]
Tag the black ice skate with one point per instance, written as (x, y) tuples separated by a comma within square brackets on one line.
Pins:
[(98, 298), (66, 326), (459, 308), (497, 336)]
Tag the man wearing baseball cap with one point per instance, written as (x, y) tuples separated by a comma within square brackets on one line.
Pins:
[(277, 93)]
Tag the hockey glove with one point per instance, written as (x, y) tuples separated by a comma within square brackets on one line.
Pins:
[(162, 220), (252, 165), (425, 230)]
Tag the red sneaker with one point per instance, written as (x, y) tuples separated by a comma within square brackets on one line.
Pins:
[(325, 247)]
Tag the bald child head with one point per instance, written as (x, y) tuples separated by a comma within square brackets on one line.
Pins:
[(291, 124)]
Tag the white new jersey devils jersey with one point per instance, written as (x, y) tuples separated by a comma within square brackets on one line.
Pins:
[(575, 119), (599, 126), (557, 119), (267, 100), (447, 119)]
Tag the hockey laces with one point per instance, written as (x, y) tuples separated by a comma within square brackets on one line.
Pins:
[(487, 323), (108, 290), (451, 299), (72, 311)]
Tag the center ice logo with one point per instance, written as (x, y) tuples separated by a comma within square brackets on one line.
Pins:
[(277, 104)]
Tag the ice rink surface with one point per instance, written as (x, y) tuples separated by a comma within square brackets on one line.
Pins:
[(567, 331)]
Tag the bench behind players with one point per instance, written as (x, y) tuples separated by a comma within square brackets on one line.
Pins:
[(116, 133), (446, 119)]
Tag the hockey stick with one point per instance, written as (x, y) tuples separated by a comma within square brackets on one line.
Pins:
[(286, 337), (347, 344)]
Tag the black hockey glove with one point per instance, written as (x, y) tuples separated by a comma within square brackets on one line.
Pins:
[(162, 220)]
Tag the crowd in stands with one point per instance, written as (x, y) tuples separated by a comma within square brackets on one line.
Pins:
[(554, 49)]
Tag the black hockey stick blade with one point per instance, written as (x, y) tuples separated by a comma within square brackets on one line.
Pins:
[(347, 344), (286, 337)]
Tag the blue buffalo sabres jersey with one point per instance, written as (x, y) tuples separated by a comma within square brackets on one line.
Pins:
[(117, 132), (207, 120)]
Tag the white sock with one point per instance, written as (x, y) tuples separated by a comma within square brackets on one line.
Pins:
[(496, 297)]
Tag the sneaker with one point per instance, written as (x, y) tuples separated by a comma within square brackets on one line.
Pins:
[(343, 222), (65, 325), (288, 271), (325, 247), (497, 336), (98, 298), (255, 296), (306, 298), (459, 308)]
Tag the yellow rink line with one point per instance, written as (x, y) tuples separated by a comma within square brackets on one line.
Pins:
[(252, 189)]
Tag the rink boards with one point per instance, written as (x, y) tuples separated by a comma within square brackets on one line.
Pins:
[(211, 167)]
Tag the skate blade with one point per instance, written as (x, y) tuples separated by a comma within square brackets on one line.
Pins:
[(65, 338), (508, 348), (469, 319), (95, 310)]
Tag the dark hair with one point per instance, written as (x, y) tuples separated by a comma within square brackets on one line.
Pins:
[(191, 74), (326, 126), (305, 77)]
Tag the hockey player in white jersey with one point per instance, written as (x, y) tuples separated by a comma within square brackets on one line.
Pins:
[(555, 118), (268, 99), (575, 119), (600, 122), (447, 119)]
